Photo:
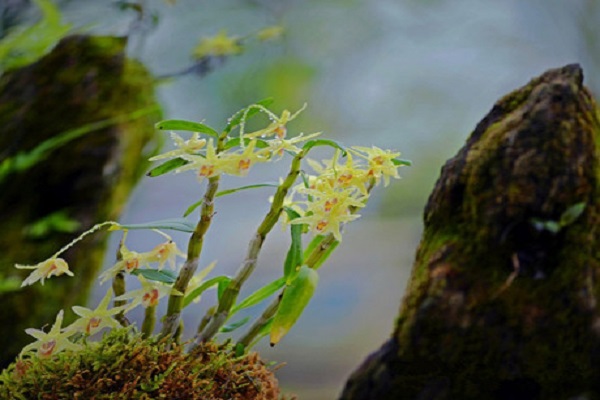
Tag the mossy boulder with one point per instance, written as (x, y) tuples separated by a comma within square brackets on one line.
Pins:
[(125, 366), (503, 298), (84, 82)]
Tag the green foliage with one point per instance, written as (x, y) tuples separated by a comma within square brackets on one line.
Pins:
[(23, 161), (216, 281), (23, 46), (258, 296), (181, 125), (566, 218), (197, 204), (58, 221), (295, 298), (156, 275), (175, 224), (294, 257)]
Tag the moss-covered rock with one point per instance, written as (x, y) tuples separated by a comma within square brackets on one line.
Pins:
[(125, 366), (499, 307), (84, 80)]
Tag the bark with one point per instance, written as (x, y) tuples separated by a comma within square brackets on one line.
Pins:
[(83, 80), (496, 307)]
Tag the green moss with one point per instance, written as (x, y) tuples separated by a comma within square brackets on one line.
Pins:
[(125, 366)]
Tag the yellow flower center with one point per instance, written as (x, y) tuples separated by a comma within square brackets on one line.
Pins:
[(92, 324), (206, 170), (322, 225), (150, 298), (280, 131), (53, 270), (330, 203), (132, 264), (345, 179), (244, 165), (163, 250), (47, 348)]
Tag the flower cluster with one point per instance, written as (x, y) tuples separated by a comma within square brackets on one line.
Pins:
[(93, 321), (164, 253), (208, 160), (322, 204), (340, 189)]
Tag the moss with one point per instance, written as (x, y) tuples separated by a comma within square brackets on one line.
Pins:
[(83, 80), (497, 309), (125, 366)]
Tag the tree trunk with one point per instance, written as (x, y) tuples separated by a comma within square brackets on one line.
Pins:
[(503, 298), (82, 81)]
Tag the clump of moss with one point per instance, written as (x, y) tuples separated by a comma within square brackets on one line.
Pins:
[(123, 365)]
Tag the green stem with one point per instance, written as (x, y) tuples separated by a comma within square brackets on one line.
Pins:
[(118, 285), (233, 289), (258, 325), (317, 256), (149, 321), (195, 244)]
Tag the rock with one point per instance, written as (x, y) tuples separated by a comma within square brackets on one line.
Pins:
[(503, 298)]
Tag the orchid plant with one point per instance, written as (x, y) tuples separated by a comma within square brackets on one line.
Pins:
[(318, 205)]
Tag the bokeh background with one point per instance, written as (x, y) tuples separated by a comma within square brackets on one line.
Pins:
[(410, 75)]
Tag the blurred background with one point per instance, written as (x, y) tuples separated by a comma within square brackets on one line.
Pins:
[(412, 76)]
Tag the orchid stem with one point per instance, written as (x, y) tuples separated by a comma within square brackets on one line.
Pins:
[(233, 289)]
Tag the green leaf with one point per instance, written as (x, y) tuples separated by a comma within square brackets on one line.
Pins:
[(175, 224), (399, 161), (166, 167), (259, 295), (24, 160), (234, 325), (239, 349), (548, 225), (571, 214), (182, 125), (156, 275), (236, 118), (316, 241), (222, 286), (10, 284), (56, 222), (22, 46), (293, 259), (197, 204), (191, 208), (326, 254), (235, 190), (295, 298), (203, 287), (323, 142)]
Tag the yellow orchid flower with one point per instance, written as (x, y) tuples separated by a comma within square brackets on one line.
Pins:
[(276, 127), (163, 253), (149, 294), (52, 342), (190, 146), (92, 321), (218, 45), (380, 162), (45, 269)]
